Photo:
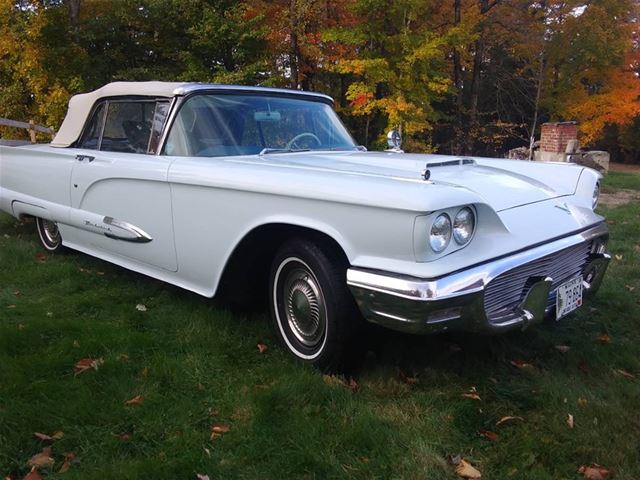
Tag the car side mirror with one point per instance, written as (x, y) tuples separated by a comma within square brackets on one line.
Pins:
[(394, 140)]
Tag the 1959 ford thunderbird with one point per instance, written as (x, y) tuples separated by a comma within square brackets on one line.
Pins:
[(260, 191)]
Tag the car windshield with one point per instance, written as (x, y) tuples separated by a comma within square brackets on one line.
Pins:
[(223, 124)]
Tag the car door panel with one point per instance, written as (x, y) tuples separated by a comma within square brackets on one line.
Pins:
[(121, 203)]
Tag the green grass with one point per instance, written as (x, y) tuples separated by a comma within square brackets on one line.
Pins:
[(285, 420), (615, 180)]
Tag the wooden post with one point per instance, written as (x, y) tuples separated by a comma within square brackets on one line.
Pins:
[(32, 131)]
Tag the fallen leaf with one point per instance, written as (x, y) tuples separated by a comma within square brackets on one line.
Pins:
[(630, 288), (489, 435), (66, 464), (42, 459), (200, 476), (404, 378), (141, 308), (11, 306), (145, 372), (76, 344), (17, 293), (618, 257), (472, 396), (624, 373), (465, 470), (353, 385), (123, 357), (563, 348), (124, 436), (262, 347), (33, 475), (594, 472), (41, 257), (584, 366), (137, 400), (218, 429), (21, 326), (604, 338), (519, 363), (84, 270), (570, 420), (49, 314), (582, 402), (48, 438), (100, 273), (335, 380), (87, 364), (508, 418)]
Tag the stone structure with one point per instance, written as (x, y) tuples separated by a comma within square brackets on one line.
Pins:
[(557, 139), (559, 143)]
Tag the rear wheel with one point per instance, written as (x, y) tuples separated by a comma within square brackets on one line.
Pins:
[(312, 311), (49, 235)]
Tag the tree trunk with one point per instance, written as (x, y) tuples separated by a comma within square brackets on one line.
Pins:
[(457, 81), (294, 48), (74, 17)]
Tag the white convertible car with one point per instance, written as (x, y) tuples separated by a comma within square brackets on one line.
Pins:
[(263, 192)]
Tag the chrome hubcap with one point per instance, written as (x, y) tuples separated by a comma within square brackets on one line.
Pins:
[(304, 307), (50, 231)]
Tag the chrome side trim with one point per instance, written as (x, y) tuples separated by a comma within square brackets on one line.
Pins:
[(138, 235)]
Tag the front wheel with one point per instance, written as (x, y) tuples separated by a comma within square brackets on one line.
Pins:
[(49, 235), (313, 313)]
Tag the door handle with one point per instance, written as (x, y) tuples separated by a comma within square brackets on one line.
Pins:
[(81, 158)]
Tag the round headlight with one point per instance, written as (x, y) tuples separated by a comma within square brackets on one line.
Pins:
[(440, 233), (463, 225), (596, 195)]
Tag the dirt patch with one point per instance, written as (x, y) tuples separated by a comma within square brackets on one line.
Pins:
[(624, 167), (619, 197)]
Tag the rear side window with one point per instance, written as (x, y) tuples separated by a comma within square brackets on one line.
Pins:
[(125, 126)]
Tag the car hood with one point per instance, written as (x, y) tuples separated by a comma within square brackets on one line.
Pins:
[(501, 183)]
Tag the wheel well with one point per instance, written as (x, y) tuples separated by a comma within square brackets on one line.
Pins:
[(245, 276)]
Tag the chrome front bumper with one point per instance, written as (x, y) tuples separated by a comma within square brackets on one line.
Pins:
[(457, 301)]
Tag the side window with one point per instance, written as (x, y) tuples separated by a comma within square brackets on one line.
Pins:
[(91, 136), (128, 126)]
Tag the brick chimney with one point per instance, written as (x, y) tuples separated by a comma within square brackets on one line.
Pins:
[(555, 136)]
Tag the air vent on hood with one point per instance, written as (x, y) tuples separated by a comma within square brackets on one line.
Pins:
[(451, 163)]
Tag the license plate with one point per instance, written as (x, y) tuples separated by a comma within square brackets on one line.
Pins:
[(568, 297)]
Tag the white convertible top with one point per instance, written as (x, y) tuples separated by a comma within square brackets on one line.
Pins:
[(80, 105)]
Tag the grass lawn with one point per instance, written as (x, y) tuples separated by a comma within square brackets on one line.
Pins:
[(197, 365)]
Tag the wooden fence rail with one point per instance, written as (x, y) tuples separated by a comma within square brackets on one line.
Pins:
[(32, 127)]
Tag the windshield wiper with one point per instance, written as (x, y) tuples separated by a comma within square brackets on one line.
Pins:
[(267, 150)]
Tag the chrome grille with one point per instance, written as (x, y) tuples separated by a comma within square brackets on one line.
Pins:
[(505, 292)]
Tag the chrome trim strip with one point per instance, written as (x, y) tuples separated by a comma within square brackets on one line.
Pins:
[(198, 87), (139, 235), (464, 282)]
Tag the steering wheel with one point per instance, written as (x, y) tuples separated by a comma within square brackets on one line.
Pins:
[(293, 141)]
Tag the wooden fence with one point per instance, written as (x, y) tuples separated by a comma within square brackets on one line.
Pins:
[(32, 127)]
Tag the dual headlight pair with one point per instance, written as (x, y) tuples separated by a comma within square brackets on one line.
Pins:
[(461, 229)]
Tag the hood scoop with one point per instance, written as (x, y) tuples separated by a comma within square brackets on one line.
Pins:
[(426, 173)]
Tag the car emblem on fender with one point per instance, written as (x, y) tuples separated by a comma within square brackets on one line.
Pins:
[(564, 207)]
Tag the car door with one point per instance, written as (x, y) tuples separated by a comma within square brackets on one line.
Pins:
[(120, 197)]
